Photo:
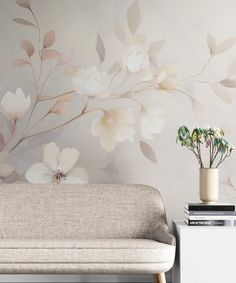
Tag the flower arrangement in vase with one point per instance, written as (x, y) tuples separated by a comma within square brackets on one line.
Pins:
[(215, 147)]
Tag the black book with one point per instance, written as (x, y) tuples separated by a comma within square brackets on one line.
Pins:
[(210, 207), (208, 222)]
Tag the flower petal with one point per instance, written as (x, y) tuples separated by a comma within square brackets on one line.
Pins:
[(6, 169), (51, 155), (96, 127), (77, 175), (8, 105), (108, 142), (90, 81), (152, 122), (22, 103), (161, 76), (125, 132), (146, 74), (134, 62), (39, 173), (14, 106), (67, 159), (123, 116)]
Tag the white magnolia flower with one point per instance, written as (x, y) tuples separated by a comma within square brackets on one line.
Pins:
[(57, 167), (165, 79), (114, 126), (136, 60), (152, 121), (15, 105), (5, 168), (90, 81)]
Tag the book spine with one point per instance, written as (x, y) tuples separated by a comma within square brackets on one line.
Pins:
[(209, 222), (211, 208), (203, 213), (211, 217)]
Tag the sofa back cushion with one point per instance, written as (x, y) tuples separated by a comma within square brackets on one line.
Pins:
[(79, 211)]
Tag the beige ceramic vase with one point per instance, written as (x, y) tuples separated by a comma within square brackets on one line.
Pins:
[(209, 185)]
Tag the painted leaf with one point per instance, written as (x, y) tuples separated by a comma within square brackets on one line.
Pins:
[(148, 151), (27, 46), (49, 54), (228, 83), (24, 22), (11, 178), (156, 47), (154, 60), (65, 57), (198, 108), (232, 69), (24, 3), (100, 48), (20, 62), (120, 33), (134, 17), (48, 39), (211, 44), (225, 45), (71, 71), (114, 68), (1, 141), (137, 39), (221, 92)]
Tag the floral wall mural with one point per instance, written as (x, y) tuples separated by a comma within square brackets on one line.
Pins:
[(94, 91)]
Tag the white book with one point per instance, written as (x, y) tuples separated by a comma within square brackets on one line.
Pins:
[(211, 217)]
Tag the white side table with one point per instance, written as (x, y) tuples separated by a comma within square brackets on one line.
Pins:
[(204, 254)]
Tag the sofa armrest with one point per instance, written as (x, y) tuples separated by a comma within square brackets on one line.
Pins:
[(162, 234)]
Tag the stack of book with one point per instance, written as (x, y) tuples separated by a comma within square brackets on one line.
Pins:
[(200, 214)]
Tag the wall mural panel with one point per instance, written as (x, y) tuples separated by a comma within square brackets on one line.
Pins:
[(94, 91)]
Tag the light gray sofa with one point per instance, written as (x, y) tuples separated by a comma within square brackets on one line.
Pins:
[(118, 229)]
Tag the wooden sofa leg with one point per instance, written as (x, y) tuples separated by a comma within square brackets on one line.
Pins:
[(159, 278)]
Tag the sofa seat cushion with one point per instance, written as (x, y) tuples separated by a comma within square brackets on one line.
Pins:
[(85, 251)]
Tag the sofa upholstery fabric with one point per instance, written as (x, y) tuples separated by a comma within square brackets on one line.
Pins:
[(83, 229), (88, 251)]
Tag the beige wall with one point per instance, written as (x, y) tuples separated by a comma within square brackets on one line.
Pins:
[(184, 26)]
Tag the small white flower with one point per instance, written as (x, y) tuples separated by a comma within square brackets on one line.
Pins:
[(90, 81), (15, 105), (206, 127), (5, 168), (152, 121), (135, 59), (57, 167), (165, 79), (217, 133), (114, 126), (216, 129)]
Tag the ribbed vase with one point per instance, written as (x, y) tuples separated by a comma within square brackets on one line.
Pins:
[(209, 184)]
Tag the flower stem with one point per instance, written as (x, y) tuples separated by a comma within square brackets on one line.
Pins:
[(201, 71)]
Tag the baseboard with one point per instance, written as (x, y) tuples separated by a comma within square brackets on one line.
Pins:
[(79, 278)]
